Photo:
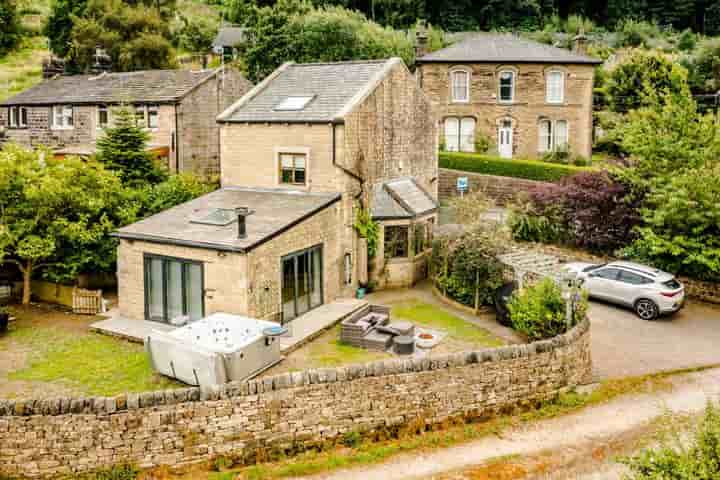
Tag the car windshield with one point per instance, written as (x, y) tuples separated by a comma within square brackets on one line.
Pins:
[(593, 267)]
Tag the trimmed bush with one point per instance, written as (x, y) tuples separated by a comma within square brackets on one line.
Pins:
[(489, 165), (538, 311)]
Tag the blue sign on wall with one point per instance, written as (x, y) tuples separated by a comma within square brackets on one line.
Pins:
[(462, 184)]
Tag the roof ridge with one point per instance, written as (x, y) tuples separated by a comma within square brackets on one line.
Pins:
[(343, 62)]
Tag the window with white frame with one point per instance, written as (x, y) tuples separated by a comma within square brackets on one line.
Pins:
[(152, 116), (561, 135), (103, 116), (18, 117), (555, 87), (460, 134), (62, 117), (506, 86), (460, 80), (552, 136)]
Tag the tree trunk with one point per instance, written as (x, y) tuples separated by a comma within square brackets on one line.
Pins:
[(27, 272)]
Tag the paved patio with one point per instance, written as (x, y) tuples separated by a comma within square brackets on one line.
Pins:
[(132, 330), (315, 322), (301, 330)]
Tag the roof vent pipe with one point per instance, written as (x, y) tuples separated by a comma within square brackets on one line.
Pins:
[(242, 213)]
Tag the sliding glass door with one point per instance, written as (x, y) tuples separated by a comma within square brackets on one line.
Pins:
[(301, 282), (173, 289)]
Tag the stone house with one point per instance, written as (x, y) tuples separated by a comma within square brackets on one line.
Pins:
[(526, 98), (178, 108), (302, 154)]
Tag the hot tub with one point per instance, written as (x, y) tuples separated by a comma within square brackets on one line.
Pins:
[(219, 348)]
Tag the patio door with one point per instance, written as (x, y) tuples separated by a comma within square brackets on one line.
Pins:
[(301, 282), (173, 289), (505, 139)]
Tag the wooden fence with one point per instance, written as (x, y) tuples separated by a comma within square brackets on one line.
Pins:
[(88, 302)]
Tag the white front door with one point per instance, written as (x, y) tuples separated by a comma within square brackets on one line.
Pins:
[(505, 139)]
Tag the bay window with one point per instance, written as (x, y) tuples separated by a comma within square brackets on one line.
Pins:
[(396, 241)]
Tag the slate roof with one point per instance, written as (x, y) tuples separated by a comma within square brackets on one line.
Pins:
[(229, 37), (401, 198), (333, 86), (275, 210), (149, 86), (505, 47)]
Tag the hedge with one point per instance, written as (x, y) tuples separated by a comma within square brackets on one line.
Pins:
[(506, 167)]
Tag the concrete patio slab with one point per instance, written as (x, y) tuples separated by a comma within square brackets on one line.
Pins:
[(308, 326), (132, 330)]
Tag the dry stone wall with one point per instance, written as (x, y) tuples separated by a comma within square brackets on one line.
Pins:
[(287, 412)]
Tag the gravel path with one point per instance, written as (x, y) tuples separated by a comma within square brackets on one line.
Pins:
[(593, 426)]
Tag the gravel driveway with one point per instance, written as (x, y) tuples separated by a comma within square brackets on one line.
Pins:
[(624, 345)]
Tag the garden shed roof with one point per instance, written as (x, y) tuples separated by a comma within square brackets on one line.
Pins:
[(401, 198), (210, 222)]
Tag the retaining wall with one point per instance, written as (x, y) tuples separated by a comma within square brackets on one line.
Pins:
[(288, 412), (501, 189)]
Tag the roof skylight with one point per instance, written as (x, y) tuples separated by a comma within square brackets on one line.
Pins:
[(218, 216), (294, 103)]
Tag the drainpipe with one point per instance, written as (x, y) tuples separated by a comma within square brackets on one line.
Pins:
[(177, 141), (334, 161)]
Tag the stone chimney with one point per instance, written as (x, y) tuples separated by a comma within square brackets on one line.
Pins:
[(580, 43), (421, 39)]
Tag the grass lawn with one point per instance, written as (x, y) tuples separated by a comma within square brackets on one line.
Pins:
[(84, 362), (430, 316), (22, 68)]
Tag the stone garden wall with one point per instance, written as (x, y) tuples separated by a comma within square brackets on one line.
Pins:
[(288, 412), (503, 190)]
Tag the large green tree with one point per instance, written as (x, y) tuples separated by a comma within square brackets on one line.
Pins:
[(136, 37), (294, 30), (641, 74), (9, 25), (56, 213)]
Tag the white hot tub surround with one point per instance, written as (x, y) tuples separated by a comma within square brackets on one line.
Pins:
[(217, 349)]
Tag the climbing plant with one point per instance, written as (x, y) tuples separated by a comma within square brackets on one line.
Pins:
[(367, 229)]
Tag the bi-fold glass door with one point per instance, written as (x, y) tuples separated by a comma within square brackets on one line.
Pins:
[(301, 282), (173, 289)]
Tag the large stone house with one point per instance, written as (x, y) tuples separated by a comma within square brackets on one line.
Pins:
[(178, 108), (525, 97), (302, 155)]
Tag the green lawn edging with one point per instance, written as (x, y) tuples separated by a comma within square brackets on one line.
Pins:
[(504, 167)]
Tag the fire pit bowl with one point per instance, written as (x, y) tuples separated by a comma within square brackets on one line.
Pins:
[(425, 339)]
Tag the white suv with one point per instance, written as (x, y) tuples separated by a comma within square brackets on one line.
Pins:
[(650, 292)]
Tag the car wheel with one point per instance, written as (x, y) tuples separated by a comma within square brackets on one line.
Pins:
[(646, 309)]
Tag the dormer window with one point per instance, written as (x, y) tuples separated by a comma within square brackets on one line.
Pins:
[(460, 86), (555, 87), (293, 103), (506, 86)]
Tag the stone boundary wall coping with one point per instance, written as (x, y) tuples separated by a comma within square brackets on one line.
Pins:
[(134, 401)]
